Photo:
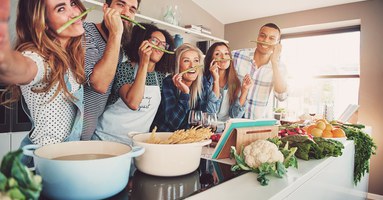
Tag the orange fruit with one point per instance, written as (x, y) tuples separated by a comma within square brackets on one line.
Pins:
[(322, 120), (310, 128), (316, 132), (321, 125), (328, 127), (338, 133), (327, 134)]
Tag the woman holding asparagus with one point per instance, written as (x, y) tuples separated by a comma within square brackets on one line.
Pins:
[(47, 68), (223, 80), (184, 91), (136, 92)]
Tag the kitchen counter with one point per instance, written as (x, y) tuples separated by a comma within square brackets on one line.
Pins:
[(329, 178)]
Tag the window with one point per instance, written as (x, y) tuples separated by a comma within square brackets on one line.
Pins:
[(324, 68)]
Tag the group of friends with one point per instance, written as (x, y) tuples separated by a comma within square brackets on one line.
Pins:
[(101, 81)]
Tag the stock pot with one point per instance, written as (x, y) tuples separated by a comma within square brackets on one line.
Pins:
[(90, 169)]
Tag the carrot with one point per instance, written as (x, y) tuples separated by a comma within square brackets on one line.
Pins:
[(70, 22), (134, 22)]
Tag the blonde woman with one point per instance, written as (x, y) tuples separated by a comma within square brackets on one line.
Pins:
[(184, 91), (223, 79), (47, 68)]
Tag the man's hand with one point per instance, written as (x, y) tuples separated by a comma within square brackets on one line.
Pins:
[(276, 53), (113, 21)]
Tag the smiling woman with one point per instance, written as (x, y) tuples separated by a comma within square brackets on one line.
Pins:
[(47, 68)]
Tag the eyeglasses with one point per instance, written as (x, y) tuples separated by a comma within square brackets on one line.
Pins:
[(158, 43)]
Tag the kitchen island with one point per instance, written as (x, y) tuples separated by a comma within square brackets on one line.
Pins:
[(328, 178)]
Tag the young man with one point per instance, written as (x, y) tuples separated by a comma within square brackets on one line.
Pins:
[(264, 67), (103, 55)]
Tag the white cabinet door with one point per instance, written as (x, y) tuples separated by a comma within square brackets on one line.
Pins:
[(16, 139), (5, 144)]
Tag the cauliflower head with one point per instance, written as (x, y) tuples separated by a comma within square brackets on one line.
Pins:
[(261, 151)]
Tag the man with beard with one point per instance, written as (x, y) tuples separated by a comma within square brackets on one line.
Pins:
[(264, 67), (104, 42)]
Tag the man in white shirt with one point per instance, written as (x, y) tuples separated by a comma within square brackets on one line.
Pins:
[(263, 65)]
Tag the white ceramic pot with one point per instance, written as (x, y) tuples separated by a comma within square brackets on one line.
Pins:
[(167, 159), (83, 179)]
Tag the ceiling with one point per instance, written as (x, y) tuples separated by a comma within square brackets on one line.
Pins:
[(230, 11)]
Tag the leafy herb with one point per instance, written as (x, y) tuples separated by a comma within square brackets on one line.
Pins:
[(134, 22), (70, 22), (365, 147), (16, 181)]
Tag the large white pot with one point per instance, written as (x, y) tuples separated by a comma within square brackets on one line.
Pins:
[(83, 179), (167, 159)]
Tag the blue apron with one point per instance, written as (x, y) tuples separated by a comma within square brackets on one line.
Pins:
[(76, 130)]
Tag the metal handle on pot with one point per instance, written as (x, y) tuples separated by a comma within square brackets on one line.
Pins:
[(29, 149), (137, 151)]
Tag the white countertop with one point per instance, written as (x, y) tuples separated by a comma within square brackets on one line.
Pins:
[(332, 177)]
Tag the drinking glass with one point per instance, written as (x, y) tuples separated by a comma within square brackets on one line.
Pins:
[(195, 118), (209, 120)]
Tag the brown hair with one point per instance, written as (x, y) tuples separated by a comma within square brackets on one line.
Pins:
[(32, 35), (233, 82)]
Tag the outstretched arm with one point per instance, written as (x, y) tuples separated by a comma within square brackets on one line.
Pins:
[(14, 67)]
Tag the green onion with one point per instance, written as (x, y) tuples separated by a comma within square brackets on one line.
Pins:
[(191, 69), (134, 22), (224, 59), (161, 49), (70, 22), (264, 43)]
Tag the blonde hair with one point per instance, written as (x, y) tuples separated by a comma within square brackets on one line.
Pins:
[(196, 88), (33, 34)]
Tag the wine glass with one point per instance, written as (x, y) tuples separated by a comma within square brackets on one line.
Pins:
[(209, 120), (195, 118), (312, 112)]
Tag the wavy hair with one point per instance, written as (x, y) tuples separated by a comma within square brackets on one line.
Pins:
[(233, 82), (33, 34), (139, 35), (196, 87)]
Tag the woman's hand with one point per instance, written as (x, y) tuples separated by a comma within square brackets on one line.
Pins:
[(144, 52), (177, 81), (214, 70), (246, 83)]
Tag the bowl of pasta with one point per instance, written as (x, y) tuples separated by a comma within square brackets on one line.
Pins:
[(171, 153)]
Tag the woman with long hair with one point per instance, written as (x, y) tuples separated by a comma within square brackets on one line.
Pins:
[(184, 91), (136, 92), (223, 79), (46, 69)]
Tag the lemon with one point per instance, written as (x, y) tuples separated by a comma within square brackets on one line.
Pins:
[(316, 132), (321, 125)]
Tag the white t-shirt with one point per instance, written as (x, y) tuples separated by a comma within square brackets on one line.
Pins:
[(53, 118)]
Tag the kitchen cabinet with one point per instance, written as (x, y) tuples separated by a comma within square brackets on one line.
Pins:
[(170, 27)]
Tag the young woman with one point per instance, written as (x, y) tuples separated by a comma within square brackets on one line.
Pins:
[(136, 92), (47, 68), (184, 91), (223, 79)]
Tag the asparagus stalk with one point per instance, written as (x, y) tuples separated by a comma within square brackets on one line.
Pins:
[(191, 69), (161, 49), (134, 22), (224, 59), (70, 22), (264, 43)]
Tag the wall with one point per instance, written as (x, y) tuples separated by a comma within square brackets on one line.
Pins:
[(371, 72), (190, 13)]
